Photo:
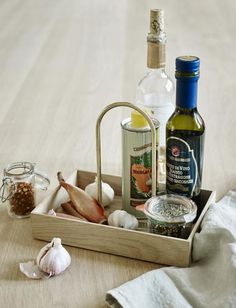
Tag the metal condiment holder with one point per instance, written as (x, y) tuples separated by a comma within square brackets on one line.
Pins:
[(98, 144)]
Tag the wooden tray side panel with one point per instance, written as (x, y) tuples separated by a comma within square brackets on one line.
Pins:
[(132, 244), (209, 198)]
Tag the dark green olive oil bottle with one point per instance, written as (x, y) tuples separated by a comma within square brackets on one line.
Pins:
[(185, 133)]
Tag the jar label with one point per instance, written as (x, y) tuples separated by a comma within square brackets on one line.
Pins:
[(184, 165)]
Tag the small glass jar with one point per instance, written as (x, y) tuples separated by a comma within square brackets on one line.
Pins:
[(18, 188), (170, 215)]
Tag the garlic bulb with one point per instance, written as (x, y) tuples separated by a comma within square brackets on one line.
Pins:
[(122, 219), (107, 192), (53, 258), (52, 213)]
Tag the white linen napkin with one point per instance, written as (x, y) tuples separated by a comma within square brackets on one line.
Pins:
[(209, 282)]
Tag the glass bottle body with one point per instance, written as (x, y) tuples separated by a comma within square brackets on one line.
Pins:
[(155, 95), (185, 146)]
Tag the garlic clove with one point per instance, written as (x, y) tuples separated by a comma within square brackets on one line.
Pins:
[(108, 193), (31, 270), (122, 219), (42, 252), (53, 258), (52, 212)]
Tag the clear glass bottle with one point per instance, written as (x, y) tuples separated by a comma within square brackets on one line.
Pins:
[(155, 90)]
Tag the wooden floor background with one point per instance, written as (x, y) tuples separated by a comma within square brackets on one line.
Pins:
[(61, 62)]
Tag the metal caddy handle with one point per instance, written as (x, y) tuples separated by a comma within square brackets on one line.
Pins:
[(98, 144)]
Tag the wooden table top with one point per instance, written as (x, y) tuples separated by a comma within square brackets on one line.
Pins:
[(50, 99), (61, 62), (83, 284)]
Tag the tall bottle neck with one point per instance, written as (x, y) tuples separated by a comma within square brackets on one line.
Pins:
[(156, 71), (186, 93), (156, 54)]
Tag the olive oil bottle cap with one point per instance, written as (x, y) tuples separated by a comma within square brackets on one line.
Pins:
[(187, 75), (187, 66)]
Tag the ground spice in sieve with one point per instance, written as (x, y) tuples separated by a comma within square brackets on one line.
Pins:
[(22, 201)]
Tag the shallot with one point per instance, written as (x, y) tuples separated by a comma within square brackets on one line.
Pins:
[(85, 205)]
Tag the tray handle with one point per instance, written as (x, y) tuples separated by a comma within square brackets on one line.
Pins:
[(98, 144)]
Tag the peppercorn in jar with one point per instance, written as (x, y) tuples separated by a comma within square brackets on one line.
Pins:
[(170, 215), (18, 188)]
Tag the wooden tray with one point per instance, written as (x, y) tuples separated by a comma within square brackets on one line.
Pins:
[(133, 244)]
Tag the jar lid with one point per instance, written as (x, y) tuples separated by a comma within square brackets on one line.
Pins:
[(171, 208)]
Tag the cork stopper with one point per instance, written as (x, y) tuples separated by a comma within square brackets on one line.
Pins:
[(156, 21), (156, 40)]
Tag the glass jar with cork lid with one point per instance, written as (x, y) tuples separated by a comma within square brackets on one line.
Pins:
[(18, 188)]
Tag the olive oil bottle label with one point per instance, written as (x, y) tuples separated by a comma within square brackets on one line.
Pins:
[(140, 174), (183, 165)]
